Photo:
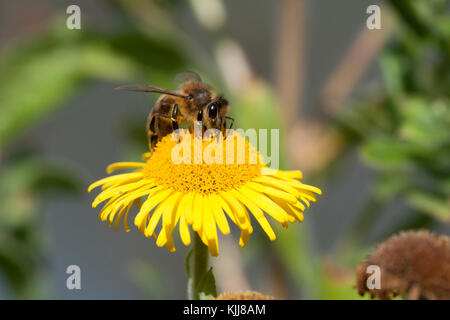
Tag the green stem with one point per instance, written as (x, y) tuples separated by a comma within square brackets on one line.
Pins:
[(200, 265)]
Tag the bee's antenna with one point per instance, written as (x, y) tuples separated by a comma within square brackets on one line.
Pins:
[(147, 88)]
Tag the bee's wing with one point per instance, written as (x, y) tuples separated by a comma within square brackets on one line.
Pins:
[(148, 88), (187, 76)]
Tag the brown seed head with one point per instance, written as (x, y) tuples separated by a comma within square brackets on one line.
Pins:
[(247, 295), (413, 264)]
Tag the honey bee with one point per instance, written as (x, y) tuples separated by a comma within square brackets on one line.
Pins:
[(193, 101)]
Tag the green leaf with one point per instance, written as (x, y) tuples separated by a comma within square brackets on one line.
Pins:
[(390, 185), (207, 286), (35, 88), (425, 123), (434, 205), (392, 67), (23, 181), (386, 153)]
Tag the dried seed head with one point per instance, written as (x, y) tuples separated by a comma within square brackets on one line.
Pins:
[(247, 295), (413, 264)]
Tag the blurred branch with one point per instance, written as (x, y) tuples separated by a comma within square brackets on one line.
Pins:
[(320, 144), (290, 68), (354, 64)]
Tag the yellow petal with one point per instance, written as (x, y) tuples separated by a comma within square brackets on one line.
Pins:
[(259, 215), (119, 217), (152, 201), (197, 212), (267, 205), (210, 229), (189, 207), (272, 191), (154, 219), (276, 183), (123, 165), (237, 208), (123, 189), (225, 207), (245, 235), (184, 231), (219, 216), (292, 211), (119, 177)]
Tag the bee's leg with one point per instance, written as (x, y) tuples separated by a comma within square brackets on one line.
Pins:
[(153, 141), (174, 121), (173, 118), (225, 126), (232, 121), (153, 137)]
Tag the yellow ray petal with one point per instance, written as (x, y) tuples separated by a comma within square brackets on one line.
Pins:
[(237, 208), (119, 177), (197, 212), (154, 219), (119, 217), (266, 204), (209, 223), (132, 187), (219, 216), (123, 165), (162, 238), (310, 188), (272, 191), (299, 206), (209, 227), (292, 211), (225, 207), (106, 210), (245, 235), (128, 196), (276, 183), (309, 195), (152, 201), (184, 231), (170, 216), (258, 214), (305, 201), (296, 174), (189, 207)]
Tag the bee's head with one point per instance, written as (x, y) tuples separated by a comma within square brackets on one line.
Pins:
[(206, 105), (213, 114)]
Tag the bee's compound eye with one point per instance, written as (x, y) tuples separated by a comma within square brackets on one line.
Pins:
[(212, 110), (200, 115)]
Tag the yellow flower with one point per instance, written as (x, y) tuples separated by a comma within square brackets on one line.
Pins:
[(201, 193)]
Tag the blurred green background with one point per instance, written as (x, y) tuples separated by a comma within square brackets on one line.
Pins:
[(365, 114)]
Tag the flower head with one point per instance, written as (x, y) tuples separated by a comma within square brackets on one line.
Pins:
[(413, 264), (178, 187), (247, 295)]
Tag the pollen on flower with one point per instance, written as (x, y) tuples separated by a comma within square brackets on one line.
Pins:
[(218, 170)]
